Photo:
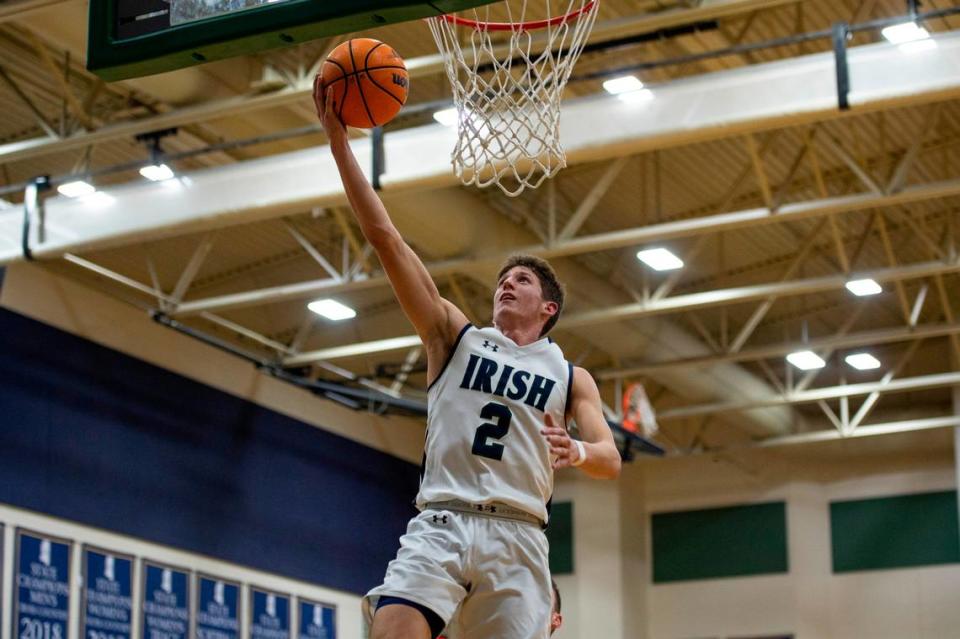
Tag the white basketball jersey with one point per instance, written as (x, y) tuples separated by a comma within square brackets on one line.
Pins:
[(484, 416)]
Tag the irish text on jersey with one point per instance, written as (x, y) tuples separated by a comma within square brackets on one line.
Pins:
[(487, 376)]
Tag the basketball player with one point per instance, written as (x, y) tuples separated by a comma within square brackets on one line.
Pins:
[(499, 398)]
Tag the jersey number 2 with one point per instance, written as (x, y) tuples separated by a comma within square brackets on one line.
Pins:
[(496, 429)]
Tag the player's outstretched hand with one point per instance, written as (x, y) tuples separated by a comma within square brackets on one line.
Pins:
[(323, 99), (562, 448)]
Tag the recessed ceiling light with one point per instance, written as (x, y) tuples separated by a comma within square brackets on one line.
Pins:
[(77, 188), (623, 84), (446, 117), (331, 309), (806, 360), (864, 287), (660, 259), (157, 172), (905, 32), (862, 361)]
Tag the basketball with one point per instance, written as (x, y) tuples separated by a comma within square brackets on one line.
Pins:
[(369, 82)]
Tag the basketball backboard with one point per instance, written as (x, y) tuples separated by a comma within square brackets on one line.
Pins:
[(131, 38)]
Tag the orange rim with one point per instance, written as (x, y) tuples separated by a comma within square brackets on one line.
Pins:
[(533, 25)]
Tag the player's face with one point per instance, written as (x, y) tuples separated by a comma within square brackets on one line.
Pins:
[(518, 296)]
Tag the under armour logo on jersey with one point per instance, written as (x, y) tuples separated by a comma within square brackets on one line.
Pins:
[(488, 344), (437, 519)]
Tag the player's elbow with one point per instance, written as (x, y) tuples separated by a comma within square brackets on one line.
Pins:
[(612, 468)]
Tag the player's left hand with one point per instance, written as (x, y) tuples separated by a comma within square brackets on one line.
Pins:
[(562, 448)]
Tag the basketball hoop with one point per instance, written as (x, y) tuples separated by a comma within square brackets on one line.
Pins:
[(507, 92), (638, 415)]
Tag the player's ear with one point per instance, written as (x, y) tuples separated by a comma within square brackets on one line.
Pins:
[(551, 307), (556, 620)]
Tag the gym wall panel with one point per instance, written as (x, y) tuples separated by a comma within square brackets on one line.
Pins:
[(97, 437), (895, 532), (560, 536), (733, 541)]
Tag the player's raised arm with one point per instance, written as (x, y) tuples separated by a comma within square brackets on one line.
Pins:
[(436, 320), (600, 458)]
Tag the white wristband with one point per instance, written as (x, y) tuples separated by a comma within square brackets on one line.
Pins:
[(582, 453)]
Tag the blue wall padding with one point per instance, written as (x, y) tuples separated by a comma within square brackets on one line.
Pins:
[(95, 436)]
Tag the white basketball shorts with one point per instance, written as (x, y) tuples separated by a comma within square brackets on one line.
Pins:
[(486, 577)]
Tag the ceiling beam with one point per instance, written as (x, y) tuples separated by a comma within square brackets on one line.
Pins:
[(692, 301), (696, 108), (865, 338), (938, 380), (302, 91), (722, 297), (592, 243)]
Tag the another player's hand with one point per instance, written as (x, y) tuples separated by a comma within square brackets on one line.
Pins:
[(562, 448), (323, 99)]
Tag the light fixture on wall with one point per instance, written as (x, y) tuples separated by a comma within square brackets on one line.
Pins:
[(157, 170), (76, 188)]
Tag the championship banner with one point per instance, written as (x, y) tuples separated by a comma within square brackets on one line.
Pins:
[(107, 595), (41, 599), (218, 609), (269, 615), (317, 620), (166, 602)]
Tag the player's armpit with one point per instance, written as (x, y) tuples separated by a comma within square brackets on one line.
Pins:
[(603, 458)]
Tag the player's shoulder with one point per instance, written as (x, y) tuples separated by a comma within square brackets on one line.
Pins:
[(583, 381)]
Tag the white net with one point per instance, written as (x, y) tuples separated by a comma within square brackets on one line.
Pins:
[(507, 80)]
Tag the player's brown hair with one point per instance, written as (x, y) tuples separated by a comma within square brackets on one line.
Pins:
[(549, 284)]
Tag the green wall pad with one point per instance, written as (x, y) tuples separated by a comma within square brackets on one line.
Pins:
[(734, 541), (560, 536), (895, 532)]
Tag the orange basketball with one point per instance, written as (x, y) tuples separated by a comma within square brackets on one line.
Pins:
[(369, 82)]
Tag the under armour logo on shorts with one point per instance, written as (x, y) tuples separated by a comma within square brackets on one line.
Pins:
[(491, 346), (437, 519)]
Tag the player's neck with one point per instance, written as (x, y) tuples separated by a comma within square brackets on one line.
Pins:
[(521, 335)]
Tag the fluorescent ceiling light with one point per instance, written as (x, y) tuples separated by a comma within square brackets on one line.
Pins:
[(905, 32), (331, 309), (157, 172), (660, 259), (806, 360), (77, 188), (623, 84), (446, 117), (863, 361), (861, 288), (636, 96)]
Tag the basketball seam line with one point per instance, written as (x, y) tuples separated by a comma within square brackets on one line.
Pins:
[(363, 97), (384, 89), (346, 75)]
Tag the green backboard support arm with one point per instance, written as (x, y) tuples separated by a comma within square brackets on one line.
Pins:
[(243, 32)]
